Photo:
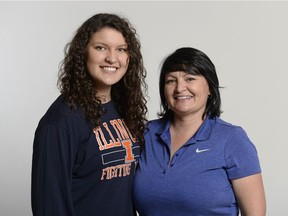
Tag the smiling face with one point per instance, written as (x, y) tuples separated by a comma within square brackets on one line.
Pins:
[(186, 94), (107, 60)]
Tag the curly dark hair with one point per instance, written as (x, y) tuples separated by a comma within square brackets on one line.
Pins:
[(78, 88)]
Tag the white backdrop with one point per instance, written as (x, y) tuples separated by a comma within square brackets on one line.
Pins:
[(247, 41)]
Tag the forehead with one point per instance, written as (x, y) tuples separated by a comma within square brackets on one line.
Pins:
[(108, 36)]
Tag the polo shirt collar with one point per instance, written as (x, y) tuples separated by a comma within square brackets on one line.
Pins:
[(202, 134)]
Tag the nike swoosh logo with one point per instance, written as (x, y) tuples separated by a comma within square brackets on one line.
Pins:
[(201, 150)]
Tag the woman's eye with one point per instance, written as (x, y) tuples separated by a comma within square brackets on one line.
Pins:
[(170, 81), (189, 79), (122, 50), (100, 48)]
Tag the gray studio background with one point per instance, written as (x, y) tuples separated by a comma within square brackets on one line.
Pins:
[(247, 41)]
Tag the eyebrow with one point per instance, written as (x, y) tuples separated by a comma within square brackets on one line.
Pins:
[(104, 44)]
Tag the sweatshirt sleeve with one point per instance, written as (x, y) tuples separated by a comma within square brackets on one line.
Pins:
[(52, 164)]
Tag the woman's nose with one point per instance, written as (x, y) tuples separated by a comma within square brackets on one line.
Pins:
[(181, 86), (111, 57)]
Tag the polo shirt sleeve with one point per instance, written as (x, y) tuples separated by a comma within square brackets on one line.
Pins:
[(241, 155)]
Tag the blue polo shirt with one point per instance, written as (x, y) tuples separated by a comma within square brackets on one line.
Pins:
[(197, 180)]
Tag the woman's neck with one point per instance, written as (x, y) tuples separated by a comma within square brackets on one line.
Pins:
[(181, 130)]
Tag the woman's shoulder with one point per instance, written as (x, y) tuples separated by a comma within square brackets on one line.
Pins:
[(157, 125), (229, 128), (60, 114), (226, 124), (156, 122)]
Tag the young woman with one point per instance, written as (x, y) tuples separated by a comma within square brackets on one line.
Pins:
[(87, 145)]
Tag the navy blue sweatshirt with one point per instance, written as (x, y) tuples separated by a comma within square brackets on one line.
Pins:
[(78, 171)]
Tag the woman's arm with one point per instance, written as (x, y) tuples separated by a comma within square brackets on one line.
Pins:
[(52, 172), (250, 195)]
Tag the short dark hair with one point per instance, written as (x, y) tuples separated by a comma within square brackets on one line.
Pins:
[(192, 61)]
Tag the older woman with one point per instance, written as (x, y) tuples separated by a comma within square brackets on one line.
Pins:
[(194, 163)]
